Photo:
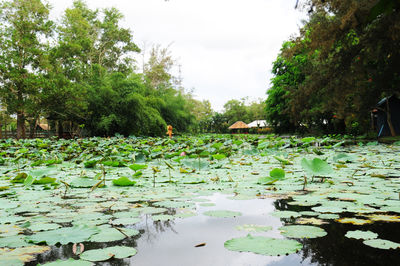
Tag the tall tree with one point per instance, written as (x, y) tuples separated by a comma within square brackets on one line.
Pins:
[(24, 29)]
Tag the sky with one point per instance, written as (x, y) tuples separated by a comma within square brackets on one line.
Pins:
[(225, 47)]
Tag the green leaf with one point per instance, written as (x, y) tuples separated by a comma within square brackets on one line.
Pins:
[(316, 167), (90, 164), (28, 181), (118, 252), (69, 262), (302, 231), (361, 234), (136, 167), (263, 245), (123, 181), (76, 234), (381, 244), (44, 180), (219, 156), (81, 182), (277, 173)]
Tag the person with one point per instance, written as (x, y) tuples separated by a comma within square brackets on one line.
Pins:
[(169, 132)]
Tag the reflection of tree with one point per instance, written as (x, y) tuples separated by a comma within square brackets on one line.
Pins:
[(154, 228), (336, 249)]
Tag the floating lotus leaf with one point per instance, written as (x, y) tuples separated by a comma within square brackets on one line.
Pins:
[(125, 221), (286, 214), (81, 182), (118, 252), (162, 217), (361, 234), (43, 226), (9, 230), (263, 245), (354, 221), (309, 213), (75, 234), (20, 255), (107, 235), (343, 158), (123, 181), (302, 231), (219, 156), (137, 167), (328, 216), (382, 244), (13, 242), (70, 262), (329, 209), (222, 214), (253, 228), (316, 167), (174, 204), (313, 221), (385, 218)]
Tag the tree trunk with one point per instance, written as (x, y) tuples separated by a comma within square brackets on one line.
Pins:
[(32, 128), (60, 129), (20, 125), (389, 118)]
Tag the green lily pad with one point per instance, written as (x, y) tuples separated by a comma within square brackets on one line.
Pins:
[(361, 234), (123, 181), (222, 214), (20, 255), (263, 245), (382, 244), (70, 262), (13, 242), (316, 167), (118, 252), (43, 226), (302, 231), (75, 234), (253, 228), (125, 221), (286, 214), (81, 182), (107, 235)]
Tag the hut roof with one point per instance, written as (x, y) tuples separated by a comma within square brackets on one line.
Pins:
[(239, 125)]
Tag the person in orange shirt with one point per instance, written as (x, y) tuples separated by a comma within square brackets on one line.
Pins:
[(169, 132)]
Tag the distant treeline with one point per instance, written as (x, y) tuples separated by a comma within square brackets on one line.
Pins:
[(345, 60)]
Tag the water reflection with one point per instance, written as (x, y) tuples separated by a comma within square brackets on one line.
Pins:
[(173, 242)]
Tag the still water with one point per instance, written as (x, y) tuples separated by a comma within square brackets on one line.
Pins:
[(173, 242)]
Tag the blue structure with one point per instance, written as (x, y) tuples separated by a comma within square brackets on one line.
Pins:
[(380, 119)]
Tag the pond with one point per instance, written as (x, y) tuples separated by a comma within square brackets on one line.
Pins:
[(250, 201)]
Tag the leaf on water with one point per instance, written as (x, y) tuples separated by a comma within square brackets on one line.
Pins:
[(263, 245), (313, 221), (382, 244), (277, 173), (302, 231), (26, 254), (123, 181), (316, 167), (137, 167), (222, 214), (75, 234), (354, 221), (69, 262), (361, 234), (118, 252), (286, 214), (81, 182)]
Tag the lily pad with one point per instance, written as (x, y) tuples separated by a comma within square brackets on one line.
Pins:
[(70, 262), (75, 234), (286, 214), (263, 245), (123, 181), (361, 234), (354, 221), (382, 244), (302, 231), (25, 254), (118, 252)]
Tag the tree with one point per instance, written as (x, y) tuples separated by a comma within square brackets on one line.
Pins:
[(24, 29)]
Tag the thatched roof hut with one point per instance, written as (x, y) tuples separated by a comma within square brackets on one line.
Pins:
[(239, 125)]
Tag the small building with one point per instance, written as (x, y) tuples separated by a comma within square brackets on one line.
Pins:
[(239, 127), (258, 124), (379, 116)]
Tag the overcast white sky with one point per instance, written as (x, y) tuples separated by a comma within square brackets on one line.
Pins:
[(226, 47)]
